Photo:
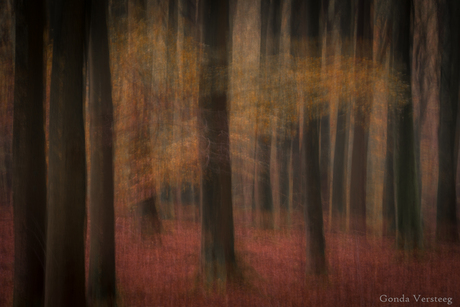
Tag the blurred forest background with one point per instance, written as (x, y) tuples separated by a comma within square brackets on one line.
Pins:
[(199, 152)]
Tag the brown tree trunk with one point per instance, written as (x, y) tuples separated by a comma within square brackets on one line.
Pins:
[(446, 217), (343, 10), (65, 252), (29, 162), (217, 233), (305, 29), (358, 181), (409, 227), (101, 281)]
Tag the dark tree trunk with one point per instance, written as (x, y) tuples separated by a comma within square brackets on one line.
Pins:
[(29, 162), (446, 217), (217, 233), (191, 34), (388, 202), (7, 96), (264, 190), (284, 149), (361, 130), (295, 173), (65, 252), (409, 228), (325, 129), (305, 28), (171, 89), (343, 10), (101, 282), (325, 158), (316, 258), (270, 15)]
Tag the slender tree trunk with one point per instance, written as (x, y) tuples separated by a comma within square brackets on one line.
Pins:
[(101, 282), (383, 29), (217, 233), (171, 88), (358, 179), (343, 9), (29, 162), (65, 252), (284, 149), (446, 217), (409, 227), (7, 97), (270, 14), (190, 30), (316, 244), (325, 129), (305, 28), (388, 202), (325, 158)]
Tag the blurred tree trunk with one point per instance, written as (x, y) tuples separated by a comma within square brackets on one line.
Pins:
[(217, 234), (409, 227), (29, 161), (389, 202), (446, 217), (379, 199), (65, 253), (295, 175), (358, 179), (191, 34), (7, 97), (343, 9), (141, 171), (284, 150), (325, 128), (171, 92), (305, 32), (101, 281), (270, 14)]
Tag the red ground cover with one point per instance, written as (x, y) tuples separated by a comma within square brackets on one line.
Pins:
[(154, 273)]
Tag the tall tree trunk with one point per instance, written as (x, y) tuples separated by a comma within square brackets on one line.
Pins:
[(325, 129), (217, 233), (270, 14), (383, 29), (171, 89), (305, 28), (389, 201), (101, 282), (65, 252), (325, 158), (190, 30), (361, 130), (7, 97), (29, 162), (409, 228), (284, 149), (446, 217), (343, 9)]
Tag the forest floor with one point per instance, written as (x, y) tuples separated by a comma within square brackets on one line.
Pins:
[(361, 270)]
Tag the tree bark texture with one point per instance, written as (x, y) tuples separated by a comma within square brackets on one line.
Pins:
[(343, 11), (101, 281), (29, 162), (65, 253), (305, 17), (409, 227), (446, 216), (358, 179), (217, 233)]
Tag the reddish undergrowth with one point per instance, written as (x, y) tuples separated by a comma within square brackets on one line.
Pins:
[(164, 272)]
